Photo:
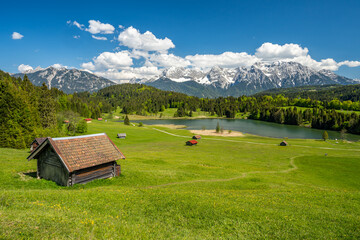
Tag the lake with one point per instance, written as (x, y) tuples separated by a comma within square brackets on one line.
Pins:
[(254, 127)]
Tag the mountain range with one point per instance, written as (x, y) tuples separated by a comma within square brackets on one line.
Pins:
[(212, 83), (242, 81), (67, 80)]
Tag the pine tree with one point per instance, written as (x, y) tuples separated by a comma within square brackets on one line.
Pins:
[(126, 120), (47, 108), (217, 127)]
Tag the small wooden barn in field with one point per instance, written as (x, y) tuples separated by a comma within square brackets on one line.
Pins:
[(121, 135), (88, 120), (80, 159), (284, 143), (36, 143), (196, 137), (191, 142)]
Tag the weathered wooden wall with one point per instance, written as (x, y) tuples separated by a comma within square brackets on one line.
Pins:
[(50, 167), (106, 170)]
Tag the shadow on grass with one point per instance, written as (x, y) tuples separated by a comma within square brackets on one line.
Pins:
[(30, 174)]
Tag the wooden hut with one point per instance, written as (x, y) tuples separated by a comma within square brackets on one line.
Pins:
[(196, 137), (88, 120), (191, 142), (80, 159), (100, 119), (284, 143), (36, 143), (121, 135)]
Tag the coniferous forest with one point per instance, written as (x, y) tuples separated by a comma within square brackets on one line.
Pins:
[(29, 111)]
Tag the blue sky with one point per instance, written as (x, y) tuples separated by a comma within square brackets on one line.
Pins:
[(181, 33)]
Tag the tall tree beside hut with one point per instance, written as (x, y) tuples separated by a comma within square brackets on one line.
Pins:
[(47, 108)]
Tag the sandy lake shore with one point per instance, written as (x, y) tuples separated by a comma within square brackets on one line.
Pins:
[(214, 133), (172, 126)]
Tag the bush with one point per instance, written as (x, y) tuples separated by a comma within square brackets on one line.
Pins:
[(325, 135), (81, 127), (140, 124)]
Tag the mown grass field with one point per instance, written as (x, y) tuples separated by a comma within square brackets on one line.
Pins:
[(224, 188)]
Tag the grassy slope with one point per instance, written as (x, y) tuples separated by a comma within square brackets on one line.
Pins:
[(269, 197)]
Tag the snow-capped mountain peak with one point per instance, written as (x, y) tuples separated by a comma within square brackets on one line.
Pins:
[(180, 74), (67, 80)]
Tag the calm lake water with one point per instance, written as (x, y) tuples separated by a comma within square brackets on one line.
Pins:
[(259, 128)]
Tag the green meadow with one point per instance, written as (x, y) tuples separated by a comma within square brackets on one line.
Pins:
[(223, 188)]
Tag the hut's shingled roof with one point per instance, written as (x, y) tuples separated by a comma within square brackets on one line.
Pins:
[(83, 151), (39, 140)]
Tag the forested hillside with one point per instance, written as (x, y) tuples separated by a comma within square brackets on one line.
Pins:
[(140, 99), (28, 111), (323, 93)]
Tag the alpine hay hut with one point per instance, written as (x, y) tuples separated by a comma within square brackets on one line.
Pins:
[(191, 142), (121, 135), (196, 137), (284, 143), (80, 159)]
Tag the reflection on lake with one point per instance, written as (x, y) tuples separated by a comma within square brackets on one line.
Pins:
[(259, 128)]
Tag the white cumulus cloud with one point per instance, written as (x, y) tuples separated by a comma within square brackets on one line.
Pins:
[(109, 60), (226, 59), (132, 38), (58, 66), (350, 63), (168, 60), (97, 27), (24, 68), (270, 52), (129, 73), (16, 36), (76, 24), (99, 38), (274, 52), (88, 66)]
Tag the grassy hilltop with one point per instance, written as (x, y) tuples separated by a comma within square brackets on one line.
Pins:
[(224, 188)]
